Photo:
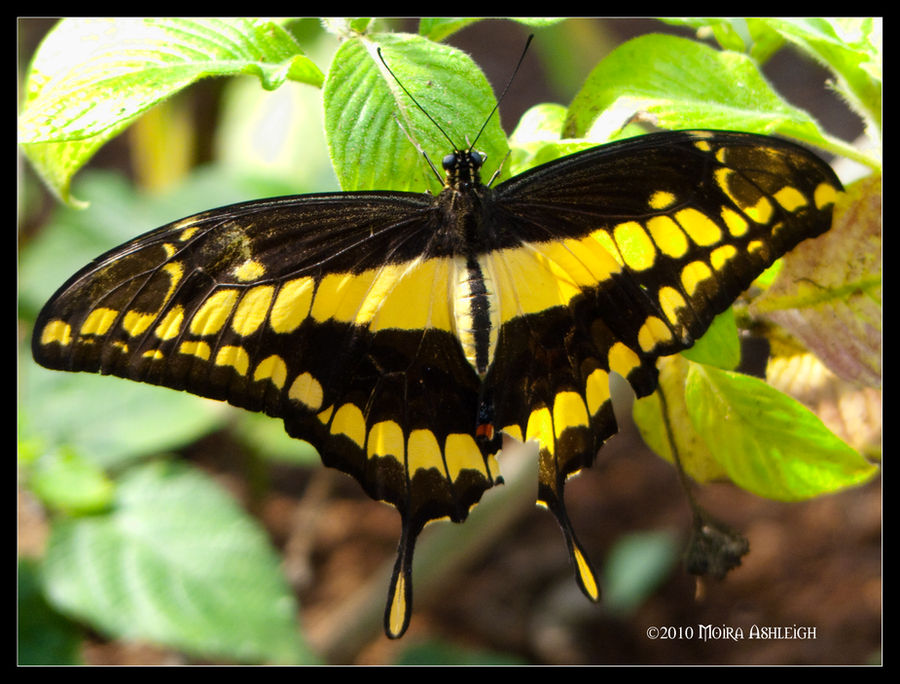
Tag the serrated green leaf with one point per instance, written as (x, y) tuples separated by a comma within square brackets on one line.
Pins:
[(685, 84), (91, 78), (768, 443), (178, 564), (368, 116)]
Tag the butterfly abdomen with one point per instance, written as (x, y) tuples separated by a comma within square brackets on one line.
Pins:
[(476, 314)]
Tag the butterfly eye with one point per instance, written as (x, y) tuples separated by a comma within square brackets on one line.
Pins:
[(449, 161), (477, 158)]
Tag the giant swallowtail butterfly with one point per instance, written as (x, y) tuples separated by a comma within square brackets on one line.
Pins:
[(402, 333)]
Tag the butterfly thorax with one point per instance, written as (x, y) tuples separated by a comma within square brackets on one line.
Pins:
[(465, 227)]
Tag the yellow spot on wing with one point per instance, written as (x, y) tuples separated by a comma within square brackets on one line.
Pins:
[(824, 195), (187, 234), (597, 390), (98, 321), (170, 325), (588, 581), (252, 310), (291, 305), (410, 297), (236, 357), (386, 439), (539, 276), (737, 224), (515, 432), (57, 331), (308, 391), (702, 229), (668, 236), (622, 360), (790, 198), (135, 322), (635, 245), (213, 313), (761, 212), (249, 271), (540, 429), (568, 411), (670, 300), (693, 274), (661, 200), (462, 453), (175, 271), (424, 452), (653, 332), (609, 245), (398, 611), (272, 368), (721, 256), (199, 349), (348, 420)]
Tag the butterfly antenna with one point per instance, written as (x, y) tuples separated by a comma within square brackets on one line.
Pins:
[(415, 102), (502, 94)]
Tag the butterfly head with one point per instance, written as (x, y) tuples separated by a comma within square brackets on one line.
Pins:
[(463, 168)]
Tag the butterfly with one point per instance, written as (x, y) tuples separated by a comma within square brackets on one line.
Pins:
[(402, 334)]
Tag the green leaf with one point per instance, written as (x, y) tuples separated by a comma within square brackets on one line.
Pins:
[(65, 481), (178, 564), (371, 123), (685, 84), (44, 637), (655, 418), (768, 443), (91, 78), (751, 35), (635, 567), (438, 28), (732, 33), (720, 345), (536, 141), (851, 48), (55, 408)]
